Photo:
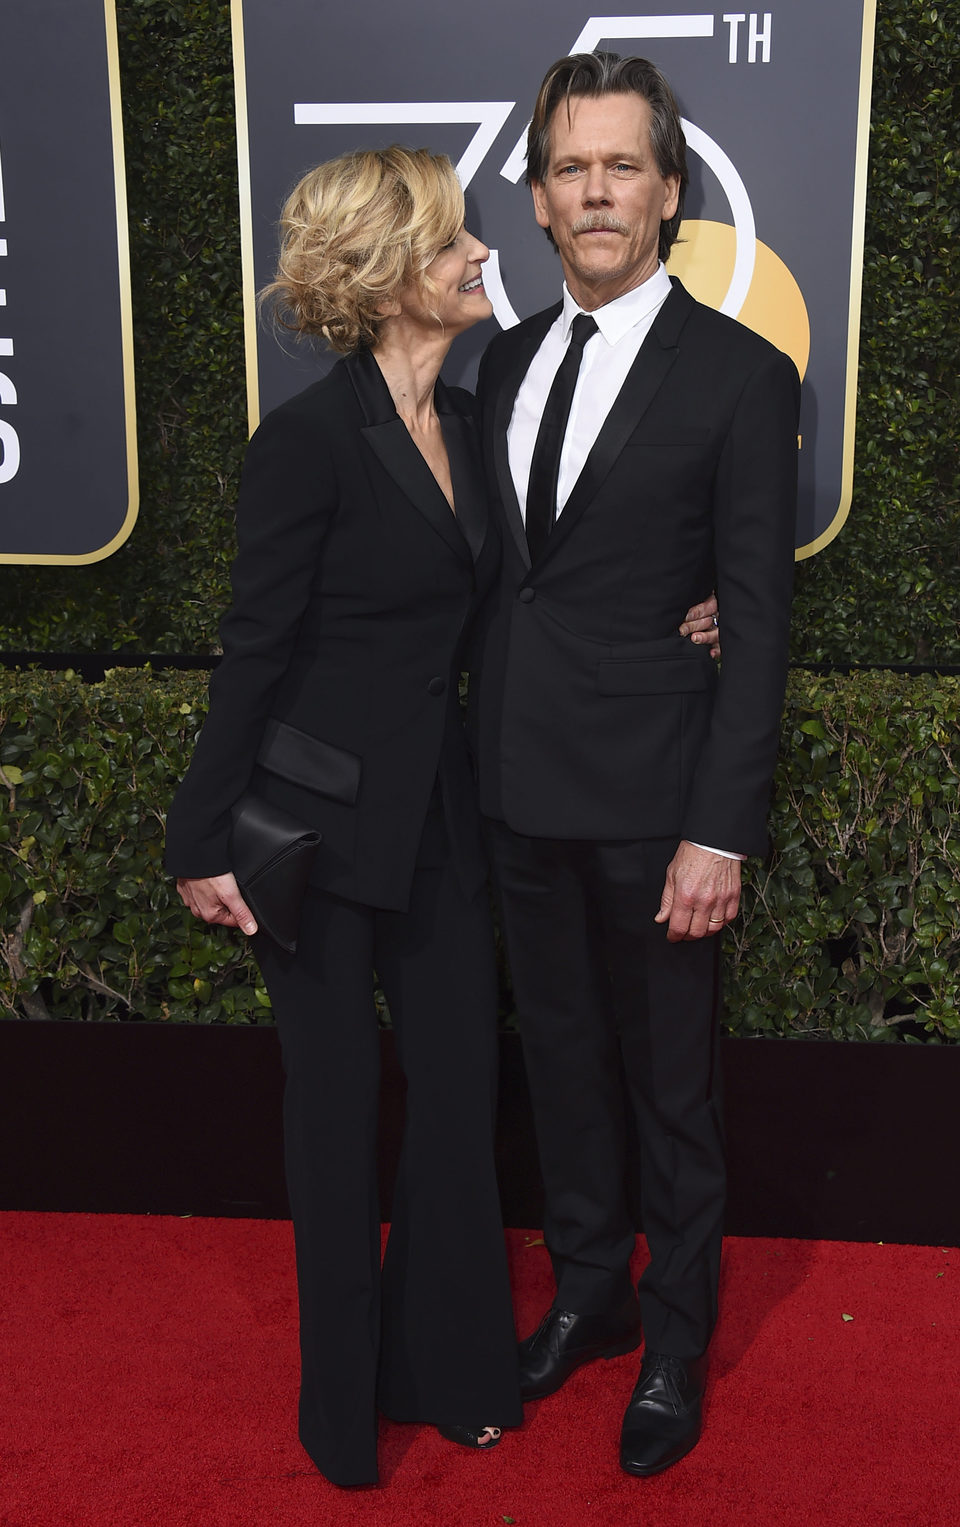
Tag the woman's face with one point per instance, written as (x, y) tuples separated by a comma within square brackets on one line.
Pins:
[(456, 294)]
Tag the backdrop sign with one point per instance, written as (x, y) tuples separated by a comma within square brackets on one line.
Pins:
[(67, 429), (775, 107)]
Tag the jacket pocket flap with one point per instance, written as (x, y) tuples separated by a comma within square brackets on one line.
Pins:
[(653, 676), (310, 762)]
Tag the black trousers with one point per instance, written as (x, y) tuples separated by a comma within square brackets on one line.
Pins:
[(431, 1338), (604, 999)]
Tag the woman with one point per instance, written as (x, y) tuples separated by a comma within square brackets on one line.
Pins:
[(364, 551)]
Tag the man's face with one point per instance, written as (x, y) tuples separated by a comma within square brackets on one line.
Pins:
[(603, 197)]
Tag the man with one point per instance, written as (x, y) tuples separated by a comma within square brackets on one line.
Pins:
[(641, 456)]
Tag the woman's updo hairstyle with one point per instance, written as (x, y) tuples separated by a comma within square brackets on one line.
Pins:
[(355, 231)]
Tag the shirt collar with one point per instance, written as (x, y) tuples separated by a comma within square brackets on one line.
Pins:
[(616, 318)]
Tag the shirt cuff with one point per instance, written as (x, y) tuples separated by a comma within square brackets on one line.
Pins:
[(723, 852)]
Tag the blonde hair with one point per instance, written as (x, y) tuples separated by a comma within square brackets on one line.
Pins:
[(354, 232)]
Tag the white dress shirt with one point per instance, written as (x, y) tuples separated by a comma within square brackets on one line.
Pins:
[(622, 326)]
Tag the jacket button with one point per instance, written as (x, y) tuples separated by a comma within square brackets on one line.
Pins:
[(527, 596), (436, 686)]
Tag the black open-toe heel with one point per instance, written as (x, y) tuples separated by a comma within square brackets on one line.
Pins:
[(472, 1436)]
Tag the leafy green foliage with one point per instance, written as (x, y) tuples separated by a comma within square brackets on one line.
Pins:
[(852, 931), (90, 927), (884, 590)]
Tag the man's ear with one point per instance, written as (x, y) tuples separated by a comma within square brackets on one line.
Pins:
[(539, 203), (672, 199)]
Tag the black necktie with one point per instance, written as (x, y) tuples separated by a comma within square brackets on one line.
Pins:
[(545, 465)]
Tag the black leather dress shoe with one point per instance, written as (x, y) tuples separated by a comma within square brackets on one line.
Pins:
[(663, 1418), (563, 1342)]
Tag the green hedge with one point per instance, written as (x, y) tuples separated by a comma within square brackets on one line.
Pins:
[(91, 926), (883, 591), (853, 931)]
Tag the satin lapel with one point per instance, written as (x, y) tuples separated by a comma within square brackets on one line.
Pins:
[(389, 439), (643, 381), (507, 390), (466, 470)]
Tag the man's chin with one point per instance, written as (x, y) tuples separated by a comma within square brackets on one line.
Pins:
[(599, 274)]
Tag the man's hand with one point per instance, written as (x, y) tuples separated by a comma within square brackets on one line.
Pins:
[(701, 624), (701, 893), (217, 899)]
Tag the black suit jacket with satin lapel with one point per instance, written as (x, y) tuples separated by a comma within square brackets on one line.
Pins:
[(353, 591), (591, 716)]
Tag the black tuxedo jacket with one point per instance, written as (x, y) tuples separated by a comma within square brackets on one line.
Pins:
[(591, 716), (353, 590)]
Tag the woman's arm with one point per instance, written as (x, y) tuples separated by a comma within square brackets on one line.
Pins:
[(287, 501)]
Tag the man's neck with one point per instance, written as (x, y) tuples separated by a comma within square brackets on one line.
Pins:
[(589, 298)]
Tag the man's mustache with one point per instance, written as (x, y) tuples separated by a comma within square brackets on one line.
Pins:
[(592, 223)]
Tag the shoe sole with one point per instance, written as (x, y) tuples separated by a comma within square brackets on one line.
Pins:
[(639, 1473), (620, 1350)]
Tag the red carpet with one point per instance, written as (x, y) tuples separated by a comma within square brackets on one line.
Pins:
[(149, 1377)]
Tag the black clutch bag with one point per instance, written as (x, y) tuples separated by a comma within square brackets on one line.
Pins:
[(272, 857)]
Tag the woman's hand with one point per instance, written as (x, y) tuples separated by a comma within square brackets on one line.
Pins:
[(217, 899), (701, 624)]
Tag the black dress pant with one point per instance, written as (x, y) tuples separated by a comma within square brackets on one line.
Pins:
[(431, 1338), (602, 997)]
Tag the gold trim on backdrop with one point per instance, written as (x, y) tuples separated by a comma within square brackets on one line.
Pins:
[(126, 318), (856, 286), (246, 217)]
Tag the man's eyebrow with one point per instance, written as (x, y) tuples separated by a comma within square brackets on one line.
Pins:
[(616, 156)]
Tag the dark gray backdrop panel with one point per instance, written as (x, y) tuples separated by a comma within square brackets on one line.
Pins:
[(70, 496), (789, 125)]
